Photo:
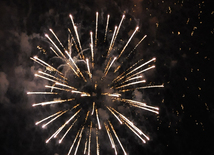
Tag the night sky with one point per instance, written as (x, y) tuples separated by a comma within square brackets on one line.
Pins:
[(180, 36)]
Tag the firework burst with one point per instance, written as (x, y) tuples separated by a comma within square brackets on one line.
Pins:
[(83, 86)]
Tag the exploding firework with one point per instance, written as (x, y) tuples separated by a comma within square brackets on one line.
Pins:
[(87, 88)]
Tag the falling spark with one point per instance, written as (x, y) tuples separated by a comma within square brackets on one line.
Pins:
[(108, 16)]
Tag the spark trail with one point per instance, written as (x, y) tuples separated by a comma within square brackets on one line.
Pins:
[(76, 84)]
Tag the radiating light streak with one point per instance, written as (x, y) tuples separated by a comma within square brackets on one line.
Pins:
[(64, 85), (153, 59), (127, 70), (82, 93), (112, 39), (51, 102), (69, 44), (155, 86), (97, 142), (89, 140), (78, 143), (56, 38), (54, 52), (117, 138), (136, 46), (135, 73), (133, 101), (73, 69), (75, 29), (145, 108), (129, 54), (107, 65), (47, 118), (98, 121), (70, 58), (106, 30), (57, 131), (85, 94), (110, 138), (92, 47), (37, 75), (129, 84), (145, 87), (93, 108), (135, 133), (118, 29), (87, 61), (75, 44), (54, 69), (110, 65), (128, 42), (38, 62), (60, 141), (85, 149), (109, 135), (134, 78), (131, 124), (46, 35), (96, 28), (137, 69), (140, 104), (52, 87), (113, 95), (115, 115), (52, 76), (32, 93), (141, 72), (43, 126), (73, 142)]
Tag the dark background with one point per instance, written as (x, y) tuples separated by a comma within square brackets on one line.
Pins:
[(180, 35)]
